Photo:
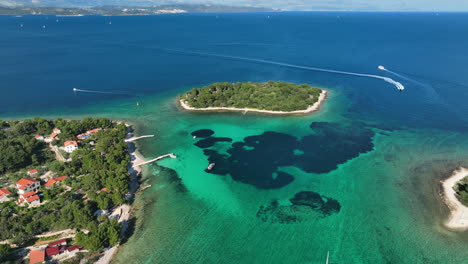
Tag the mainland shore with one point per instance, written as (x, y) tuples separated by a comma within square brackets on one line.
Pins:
[(124, 211), (312, 108), (458, 218)]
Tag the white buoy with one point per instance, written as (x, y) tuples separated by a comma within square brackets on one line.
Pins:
[(21, 25), (43, 26)]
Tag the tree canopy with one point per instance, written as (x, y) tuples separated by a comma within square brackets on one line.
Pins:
[(274, 96)]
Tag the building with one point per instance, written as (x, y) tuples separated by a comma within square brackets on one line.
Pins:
[(31, 198), (53, 137), (70, 146), (4, 195), (56, 131), (37, 256), (32, 172), (50, 183), (39, 137), (26, 185), (61, 242), (88, 133)]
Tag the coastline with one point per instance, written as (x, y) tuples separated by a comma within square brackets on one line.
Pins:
[(312, 108), (125, 210), (458, 219)]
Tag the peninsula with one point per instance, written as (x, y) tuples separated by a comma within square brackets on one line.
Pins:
[(455, 190), (269, 97)]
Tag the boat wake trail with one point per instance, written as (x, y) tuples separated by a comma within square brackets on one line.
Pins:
[(75, 90), (398, 85), (401, 76)]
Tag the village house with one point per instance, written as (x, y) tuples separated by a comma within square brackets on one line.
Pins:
[(32, 172), (50, 183), (56, 131), (88, 133), (39, 137), (4, 195), (70, 146), (27, 184), (31, 198), (54, 251)]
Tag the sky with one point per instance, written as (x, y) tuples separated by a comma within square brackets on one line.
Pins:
[(354, 5)]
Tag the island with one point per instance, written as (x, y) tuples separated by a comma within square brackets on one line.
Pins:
[(268, 97), (455, 194), (66, 187)]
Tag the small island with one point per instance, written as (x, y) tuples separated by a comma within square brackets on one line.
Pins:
[(269, 97), (455, 194)]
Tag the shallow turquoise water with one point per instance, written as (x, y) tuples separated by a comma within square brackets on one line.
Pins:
[(371, 158)]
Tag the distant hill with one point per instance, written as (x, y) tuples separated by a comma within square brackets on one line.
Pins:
[(124, 10)]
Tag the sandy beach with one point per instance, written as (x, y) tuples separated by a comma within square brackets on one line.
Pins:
[(458, 218), (311, 108)]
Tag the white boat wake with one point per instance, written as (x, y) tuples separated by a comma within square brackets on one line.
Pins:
[(400, 76), (91, 91), (398, 85)]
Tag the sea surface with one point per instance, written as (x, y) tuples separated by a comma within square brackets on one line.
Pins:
[(359, 179)]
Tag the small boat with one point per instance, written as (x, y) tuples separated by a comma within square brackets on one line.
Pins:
[(194, 137), (110, 22), (211, 166), (43, 26), (21, 25), (328, 256), (138, 104)]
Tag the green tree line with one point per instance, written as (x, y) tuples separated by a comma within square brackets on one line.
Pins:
[(275, 96)]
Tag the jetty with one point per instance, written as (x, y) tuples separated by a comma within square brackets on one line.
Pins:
[(158, 158), (136, 138)]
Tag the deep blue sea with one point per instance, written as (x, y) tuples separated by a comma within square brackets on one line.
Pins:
[(378, 152)]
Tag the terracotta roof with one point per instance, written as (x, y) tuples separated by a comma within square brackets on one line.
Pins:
[(38, 136), (50, 182), (60, 178), (56, 130), (4, 191), (37, 256), (28, 194), (26, 181), (92, 131), (53, 135), (32, 171), (105, 189), (57, 242), (33, 198), (70, 142)]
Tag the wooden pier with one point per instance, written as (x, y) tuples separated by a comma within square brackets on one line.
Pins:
[(158, 158), (136, 138)]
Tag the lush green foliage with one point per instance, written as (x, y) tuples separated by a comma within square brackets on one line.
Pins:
[(462, 190), (100, 236), (276, 96), (93, 167)]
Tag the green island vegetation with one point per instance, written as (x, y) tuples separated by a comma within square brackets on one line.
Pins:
[(272, 96), (461, 188), (97, 178)]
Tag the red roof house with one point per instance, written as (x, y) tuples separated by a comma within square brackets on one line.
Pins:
[(37, 256), (61, 242), (26, 181), (32, 172), (4, 195), (60, 178), (52, 251), (57, 131), (50, 183)]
